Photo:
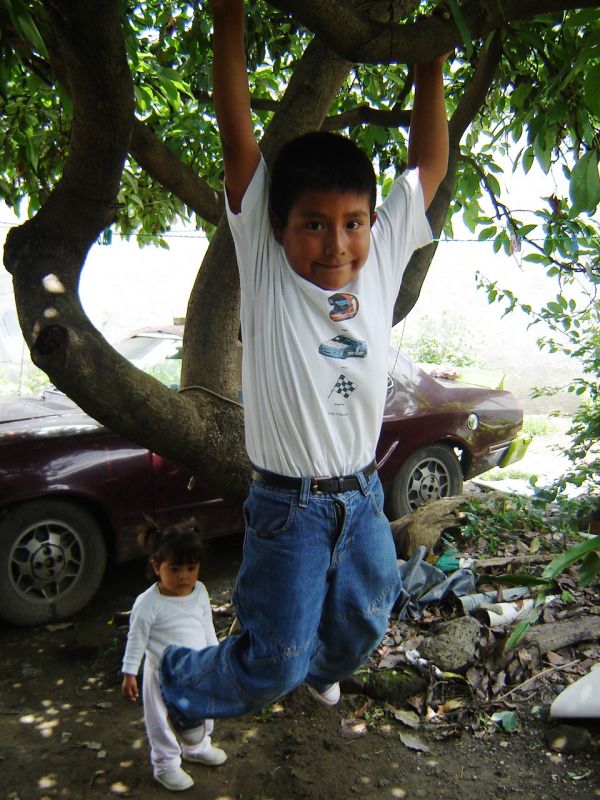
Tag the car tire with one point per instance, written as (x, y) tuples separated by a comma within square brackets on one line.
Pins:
[(52, 560), (427, 474)]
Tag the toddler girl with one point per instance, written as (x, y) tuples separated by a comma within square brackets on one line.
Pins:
[(174, 610)]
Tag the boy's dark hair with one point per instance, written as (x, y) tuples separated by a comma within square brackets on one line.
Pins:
[(321, 161), (181, 543)]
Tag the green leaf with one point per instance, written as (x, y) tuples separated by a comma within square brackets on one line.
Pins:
[(487, 233), (536, 258), (524, 230), (494, 184), (590, 568), (591, 88), (528, 159), (563, 561), (25, 24), (543, 150), (554, 308), (584, 187), (506, 719), (523, 626), (461, 26), (32, 153)]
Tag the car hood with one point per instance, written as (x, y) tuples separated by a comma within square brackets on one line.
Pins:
[(19, 409), (52, 413)]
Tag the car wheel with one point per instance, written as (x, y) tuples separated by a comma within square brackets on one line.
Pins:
[(427, 474), (52, 560)]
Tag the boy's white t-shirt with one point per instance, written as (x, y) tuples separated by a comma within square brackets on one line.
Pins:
[(314, 368)]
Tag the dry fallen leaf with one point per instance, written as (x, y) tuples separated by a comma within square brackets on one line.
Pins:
[(555, 658), (392, 660), (120, 788), (417, 701), (406, 717), (352, 728), (450, 705), (413, 742)]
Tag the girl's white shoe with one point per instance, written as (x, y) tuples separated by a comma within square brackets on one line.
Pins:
[(175, 780)]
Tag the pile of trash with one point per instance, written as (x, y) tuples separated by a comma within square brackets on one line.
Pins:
[(453, 621)]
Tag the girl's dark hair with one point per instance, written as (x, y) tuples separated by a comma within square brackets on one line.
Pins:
[(181, 543), (319, 161)]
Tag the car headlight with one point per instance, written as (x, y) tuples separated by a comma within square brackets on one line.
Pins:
[(472, 422)]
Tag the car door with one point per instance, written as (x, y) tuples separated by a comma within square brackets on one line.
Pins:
[(176, 498)]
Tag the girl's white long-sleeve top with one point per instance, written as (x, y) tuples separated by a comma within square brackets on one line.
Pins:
[(159, 620)]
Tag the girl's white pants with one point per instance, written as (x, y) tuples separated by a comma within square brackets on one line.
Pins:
[(165, 749)]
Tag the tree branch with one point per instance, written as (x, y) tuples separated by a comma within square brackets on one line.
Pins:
[(354, 35), (175, 176), (502, 210), (365, 115)]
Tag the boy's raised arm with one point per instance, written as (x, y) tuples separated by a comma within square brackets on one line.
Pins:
[(232, 99), (428, 138)]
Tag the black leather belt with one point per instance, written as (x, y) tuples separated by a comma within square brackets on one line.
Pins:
[(326, 485)]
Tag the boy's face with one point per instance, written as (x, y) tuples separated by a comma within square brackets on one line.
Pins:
[(327, 236)]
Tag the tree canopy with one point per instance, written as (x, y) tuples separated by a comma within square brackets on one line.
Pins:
[(107, 120)]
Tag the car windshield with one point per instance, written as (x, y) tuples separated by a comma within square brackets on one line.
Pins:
[(158, 355)]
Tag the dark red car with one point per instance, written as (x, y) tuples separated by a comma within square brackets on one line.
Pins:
[(73, 492)]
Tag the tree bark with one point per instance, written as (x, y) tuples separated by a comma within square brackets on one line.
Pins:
[(426, 525), (354, 34), (554, 635)]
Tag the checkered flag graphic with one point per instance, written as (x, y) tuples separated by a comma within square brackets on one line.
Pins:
[(344, 386)]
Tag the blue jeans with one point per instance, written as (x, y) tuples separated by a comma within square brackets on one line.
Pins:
[(317, 582)]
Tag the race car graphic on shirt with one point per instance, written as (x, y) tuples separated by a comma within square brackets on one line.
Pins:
[(344, 306), (343, 347)]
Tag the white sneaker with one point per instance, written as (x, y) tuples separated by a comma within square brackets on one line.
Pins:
[(330, 696), (175, 780), (212, 757)]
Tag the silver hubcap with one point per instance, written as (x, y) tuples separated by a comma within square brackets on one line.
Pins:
[(429, 481), (45, 561)]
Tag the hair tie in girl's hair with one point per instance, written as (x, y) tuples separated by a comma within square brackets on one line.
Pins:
[(148, 536)]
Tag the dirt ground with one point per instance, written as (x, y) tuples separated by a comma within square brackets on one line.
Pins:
[(65, 731)]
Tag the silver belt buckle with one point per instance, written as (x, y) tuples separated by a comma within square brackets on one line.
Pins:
[(314, 482)]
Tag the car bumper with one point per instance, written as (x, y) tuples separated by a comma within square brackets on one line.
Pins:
[(516, 449), (500, 455)]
